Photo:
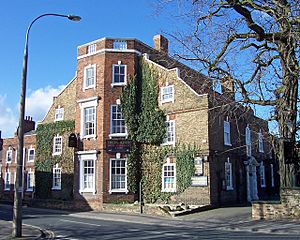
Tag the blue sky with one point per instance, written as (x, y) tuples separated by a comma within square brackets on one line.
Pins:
[(53, 45)]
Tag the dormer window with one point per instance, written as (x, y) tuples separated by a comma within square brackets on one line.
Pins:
[(167, 94), (59, 114), (120, 44), (91, 48)]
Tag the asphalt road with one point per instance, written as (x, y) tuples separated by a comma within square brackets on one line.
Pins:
[(233, 223)]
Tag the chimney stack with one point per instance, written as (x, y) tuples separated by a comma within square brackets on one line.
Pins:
[(160, 43), (29, 125), (227, 85)]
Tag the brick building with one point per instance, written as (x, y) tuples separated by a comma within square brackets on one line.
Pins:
[(9, 160), (234, 163)]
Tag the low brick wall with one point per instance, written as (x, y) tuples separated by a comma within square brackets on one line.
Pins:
[(287, 207)]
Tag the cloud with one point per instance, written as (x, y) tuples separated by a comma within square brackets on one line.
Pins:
[(8, 118), (37, 104), (39, 101)]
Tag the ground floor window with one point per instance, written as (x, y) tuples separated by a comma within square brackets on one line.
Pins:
[(30, 181), (7, 181), (169, 177), (87, 172), (228, 175), (262, 175), (118, 175), (56, 178)]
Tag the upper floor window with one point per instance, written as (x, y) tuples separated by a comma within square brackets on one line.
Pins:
[(120, 44), (9, 155), (227, 140), (248, 141), (260, 142), (272, 175), (119, 74), (7, 181), (118, 175), (56, 177), (228, 175), (30, 181), (167, 94), (91, 48), (31, 154), (89, 76), (262, 175), (170, 138), (169, 177), (57, 145), (88, 118), (59, 114), (117, 126)]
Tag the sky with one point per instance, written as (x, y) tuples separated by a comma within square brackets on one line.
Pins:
[(53, 43)]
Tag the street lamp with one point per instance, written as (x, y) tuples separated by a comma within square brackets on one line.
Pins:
[(17, 209)]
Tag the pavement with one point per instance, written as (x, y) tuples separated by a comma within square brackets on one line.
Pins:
[(229, 219), (28, 232)]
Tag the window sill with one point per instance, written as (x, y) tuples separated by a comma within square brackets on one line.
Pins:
[(29, 190), (229, 188), (30, 161), (118, 191), (168, 144), (58, 120), (168, 190), (167, 101), (118, 135), (228, 144), (56, 154), (118, 84), (88, 137), (89, 87), (56, 188), (263, 186)]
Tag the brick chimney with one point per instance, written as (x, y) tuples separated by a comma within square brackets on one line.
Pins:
[(227, 85), (29, 125), (160, 43)]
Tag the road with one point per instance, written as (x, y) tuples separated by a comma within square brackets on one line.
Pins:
[(233, 223)]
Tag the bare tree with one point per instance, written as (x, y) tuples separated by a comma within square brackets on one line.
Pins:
[(255, 45)]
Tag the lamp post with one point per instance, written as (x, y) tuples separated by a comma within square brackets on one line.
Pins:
[(17, 208)]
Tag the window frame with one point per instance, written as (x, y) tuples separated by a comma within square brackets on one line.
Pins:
[(119, 134), (118, 190), (163, 187), (163, 94), (83, 106), (9, 153), (272, 175), (28, 157), (59, 114), (113, 82), (260, 142), (55, 153), (227, 132), (83, 189), (91, 48), (248, 141), (85, 78), (228, 181), (262, 173), (120, 45), (30, 181), (55, 176), (173, 133), (5, 181)]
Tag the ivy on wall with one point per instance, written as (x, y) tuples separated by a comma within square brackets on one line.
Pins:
[(153, 159), (146, 127), (45, 160)]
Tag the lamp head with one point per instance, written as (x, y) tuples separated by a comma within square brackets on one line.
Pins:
[(74, 18)]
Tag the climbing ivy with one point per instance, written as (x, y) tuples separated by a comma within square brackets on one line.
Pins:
[(45, 160), (153, 159)]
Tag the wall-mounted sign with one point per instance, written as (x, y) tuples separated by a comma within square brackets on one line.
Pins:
[(200, 181), (118, 145)]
